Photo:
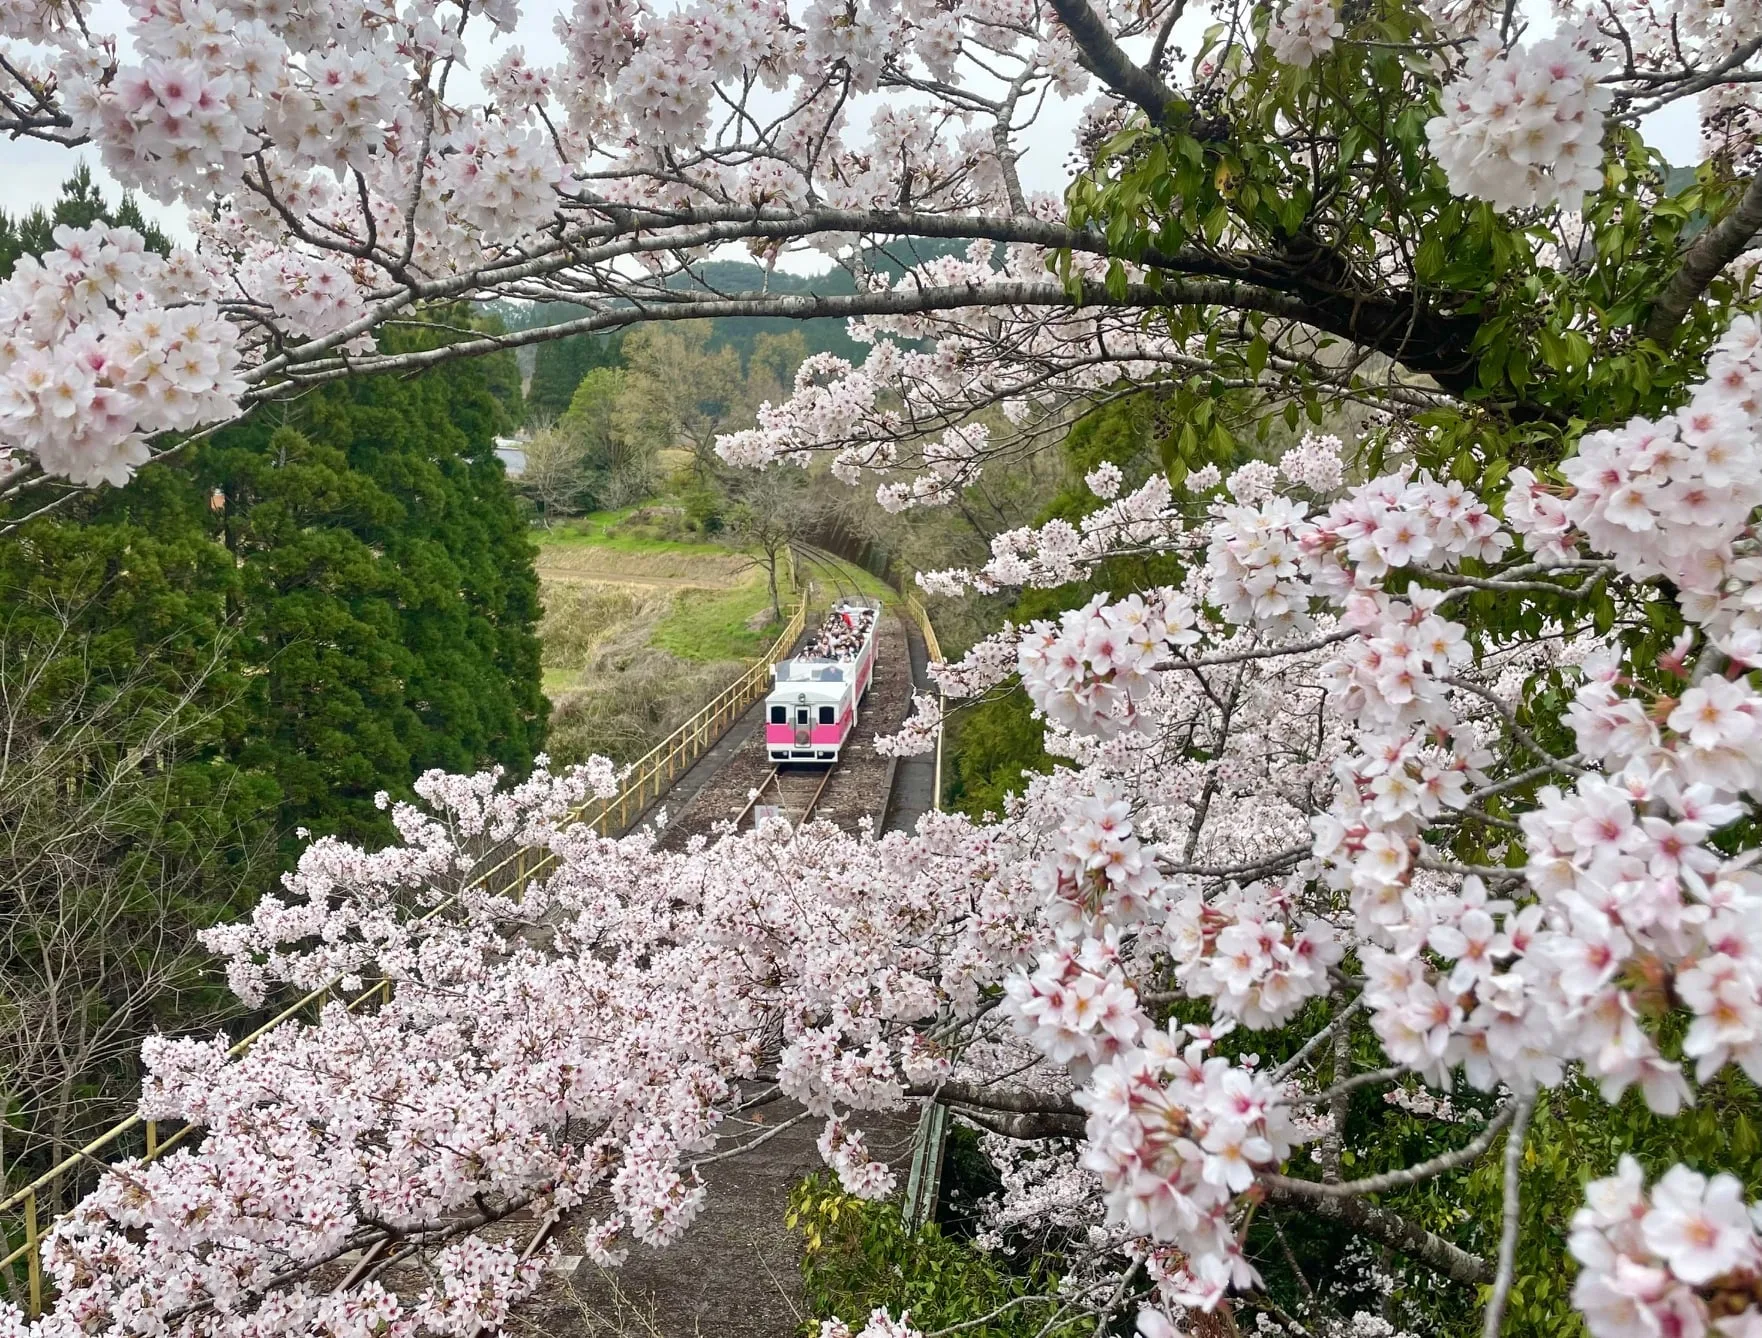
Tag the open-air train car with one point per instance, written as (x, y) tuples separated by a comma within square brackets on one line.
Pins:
[(812, 706)]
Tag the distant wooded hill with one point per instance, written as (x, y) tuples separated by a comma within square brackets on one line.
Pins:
[(555, 369)]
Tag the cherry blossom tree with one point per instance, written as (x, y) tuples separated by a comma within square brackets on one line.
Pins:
[(340, 176), (1314, 798)]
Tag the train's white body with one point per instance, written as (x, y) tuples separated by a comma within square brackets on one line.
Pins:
[(812, 707)]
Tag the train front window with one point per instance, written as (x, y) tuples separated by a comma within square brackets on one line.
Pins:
[(779, 715), (826, 715), (801, 715)]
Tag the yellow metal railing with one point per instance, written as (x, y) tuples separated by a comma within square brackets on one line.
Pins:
[(645, 780)]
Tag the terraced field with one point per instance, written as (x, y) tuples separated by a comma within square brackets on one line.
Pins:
[(638, 628)]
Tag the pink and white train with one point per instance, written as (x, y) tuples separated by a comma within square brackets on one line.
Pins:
[(812, 706)]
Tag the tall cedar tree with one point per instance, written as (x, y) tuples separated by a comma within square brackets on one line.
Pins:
[(358, 558), (81, 205), (385, 587), (559, 367)]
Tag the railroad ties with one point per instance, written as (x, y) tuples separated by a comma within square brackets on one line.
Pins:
[(789, 792)]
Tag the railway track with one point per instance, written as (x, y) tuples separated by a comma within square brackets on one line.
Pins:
[(856, 788), (789, 792)]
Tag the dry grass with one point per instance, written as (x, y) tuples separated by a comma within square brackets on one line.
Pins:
[(612, 692)]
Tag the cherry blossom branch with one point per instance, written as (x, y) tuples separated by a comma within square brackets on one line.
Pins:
[(1518, 732), (1568, 763), (1369, 1078), (1390, 1229), (1267, 653), (1429, 1169), (1251, 869), (986, 1098), (1315, 1042), (758, 1141), (1494, 1321), (791, 306), (1024, 1127), (1683, 83), (1104, 58)]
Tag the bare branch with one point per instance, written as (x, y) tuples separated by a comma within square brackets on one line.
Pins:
[(1412, 1175), (1495, 1316), (1389, 1228)]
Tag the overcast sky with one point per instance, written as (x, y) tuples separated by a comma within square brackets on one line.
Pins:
[(31, 172)]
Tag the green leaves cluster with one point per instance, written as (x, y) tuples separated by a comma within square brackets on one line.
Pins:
[(858, 1256), (1315, 187)]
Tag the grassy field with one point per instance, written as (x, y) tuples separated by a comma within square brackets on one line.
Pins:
[(640, 627), (731, 624), (617, 531)]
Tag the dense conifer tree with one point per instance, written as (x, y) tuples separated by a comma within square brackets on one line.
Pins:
[(386, 591), (355, 564), (561, 364)]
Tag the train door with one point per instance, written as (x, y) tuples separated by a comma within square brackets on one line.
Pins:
[(804, 731)]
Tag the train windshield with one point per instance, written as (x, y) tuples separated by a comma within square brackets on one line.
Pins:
[(810, 671)]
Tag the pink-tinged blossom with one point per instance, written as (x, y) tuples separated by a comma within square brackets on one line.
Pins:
[(1174, 1135), (101, 345), (1681, 1259), (1304, 31), (1524, 126)]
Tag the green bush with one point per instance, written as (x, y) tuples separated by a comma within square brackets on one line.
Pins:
[(858, 1257), (703, 509)]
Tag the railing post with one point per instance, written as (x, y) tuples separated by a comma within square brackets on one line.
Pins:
[(33, 1264), (941, 728)]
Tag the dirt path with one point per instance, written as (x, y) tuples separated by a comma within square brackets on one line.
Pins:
[(586, 563), (564, 576), (736, 1273)]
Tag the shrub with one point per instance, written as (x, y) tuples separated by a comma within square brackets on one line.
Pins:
[(858, 1256)]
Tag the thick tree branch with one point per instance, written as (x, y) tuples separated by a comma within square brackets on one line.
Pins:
[(1711, 252), (1027, 1128), (685, 306), (1413, 1175), (1387, 1227), (1017, 1100), (1107, 61), (1014, 1113), (1494, 1320)]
